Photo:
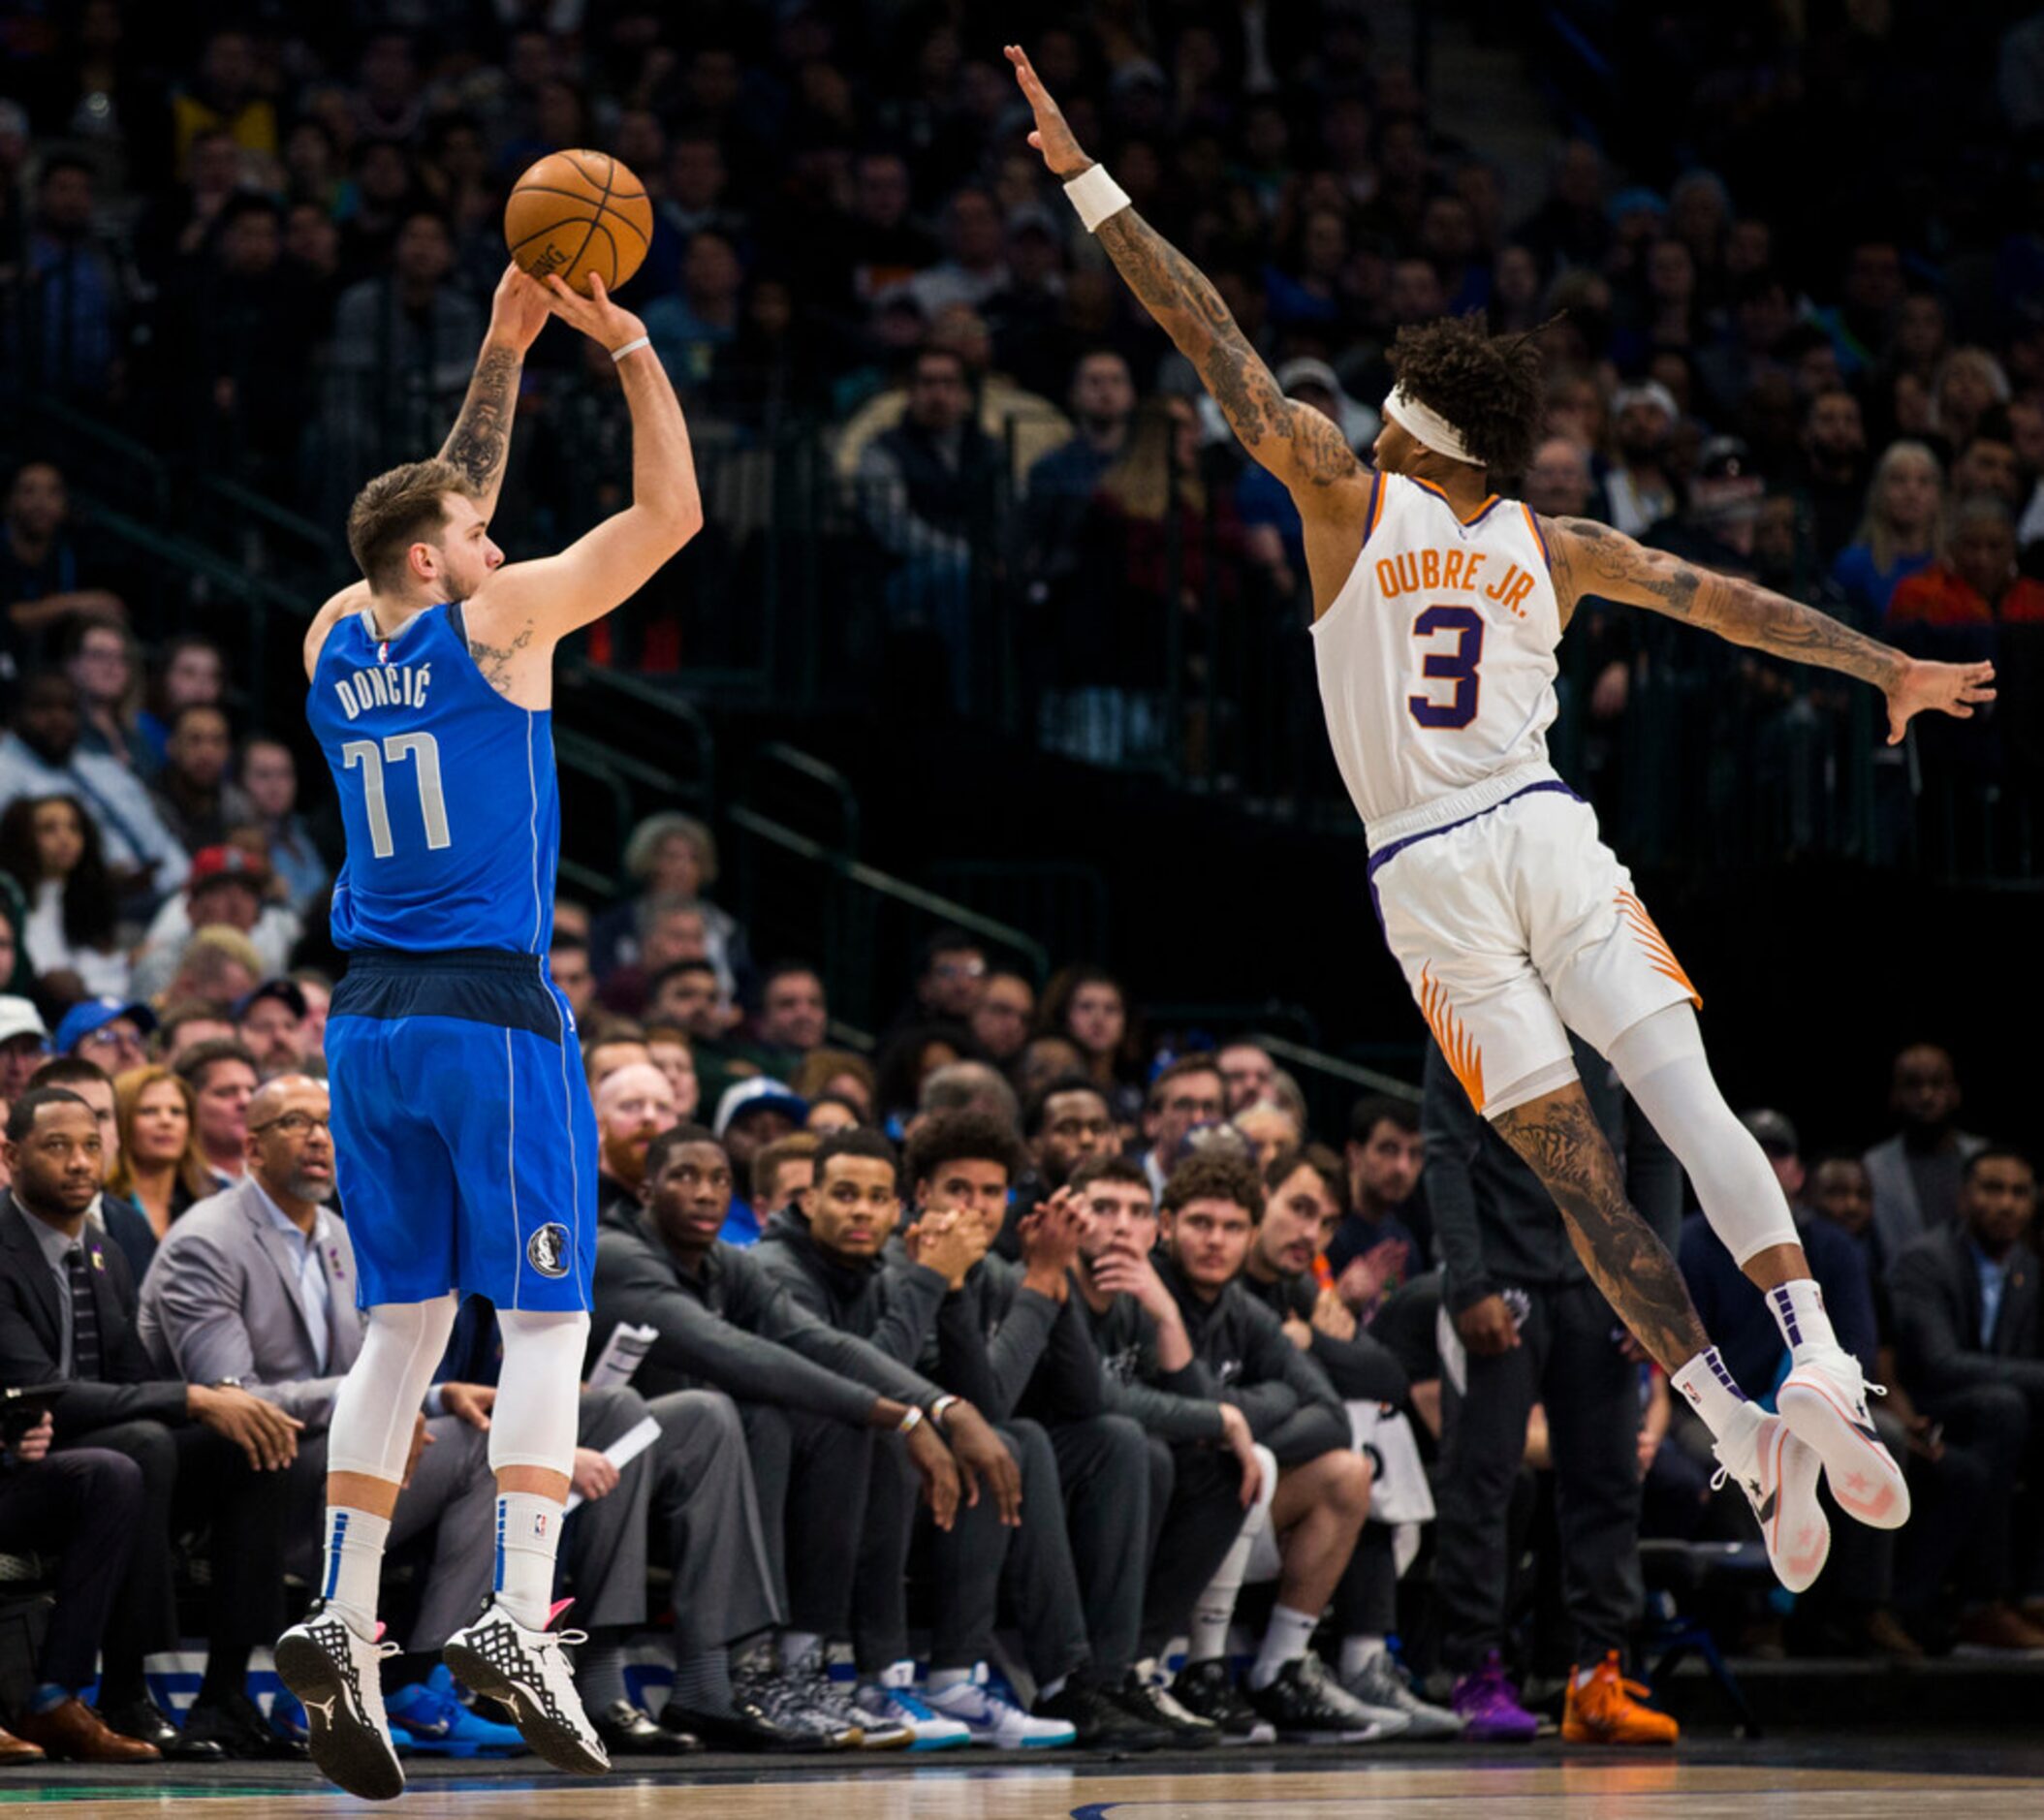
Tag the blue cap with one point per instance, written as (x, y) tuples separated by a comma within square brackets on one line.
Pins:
[(92, 1013)]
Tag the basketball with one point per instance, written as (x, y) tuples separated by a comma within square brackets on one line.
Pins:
[(578, 212)]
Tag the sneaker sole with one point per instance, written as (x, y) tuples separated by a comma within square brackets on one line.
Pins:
[(1823, 1423), (556, 1742), (1798, 1574), (349, 1755)]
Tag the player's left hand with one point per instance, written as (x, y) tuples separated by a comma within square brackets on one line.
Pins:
[(520, 309), (472, 1402), (1054, 136), (1954, 689), (595, 1474)]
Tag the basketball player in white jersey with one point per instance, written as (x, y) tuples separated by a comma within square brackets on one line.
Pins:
[(1438, 607)]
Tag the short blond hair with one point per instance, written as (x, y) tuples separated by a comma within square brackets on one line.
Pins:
[(397, 510)]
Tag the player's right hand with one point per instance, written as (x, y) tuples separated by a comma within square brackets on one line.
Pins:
[(259, 1430), (595, 315), (520, 309), (1054, 136), (981, 1455), (1487, 1327), (1235, 1432)]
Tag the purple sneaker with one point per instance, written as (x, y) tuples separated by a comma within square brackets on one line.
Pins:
[(1489, 1703)]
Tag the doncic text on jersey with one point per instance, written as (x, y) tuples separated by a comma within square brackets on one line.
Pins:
[(388, 685)]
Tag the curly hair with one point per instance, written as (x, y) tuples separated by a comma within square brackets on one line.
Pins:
[(1492, 388), (1214, 1176), (961, 1137)]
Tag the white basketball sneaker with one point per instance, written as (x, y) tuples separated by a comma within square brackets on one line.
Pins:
[(993, 1720), (335, 1673), (1824, 1401), (890, 1699), (528, 1671), (1779, 1475)]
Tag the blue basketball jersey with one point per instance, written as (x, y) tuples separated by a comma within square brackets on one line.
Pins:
[(447, 792)]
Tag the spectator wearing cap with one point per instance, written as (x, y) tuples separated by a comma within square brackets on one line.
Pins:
[(1717, 526), (24, 1040), (270, 1025), (1637, 483), (112, 1033), (223, 1079), (41, 757), (228, 887), (634, 1104), (752, 1115)]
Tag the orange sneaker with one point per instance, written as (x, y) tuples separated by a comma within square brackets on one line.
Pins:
[(1606, 1710)]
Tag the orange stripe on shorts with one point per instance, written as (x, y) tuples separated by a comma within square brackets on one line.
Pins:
[(1464, 1056)]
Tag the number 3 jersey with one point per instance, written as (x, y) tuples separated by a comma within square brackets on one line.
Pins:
[(447, 792), (1437, 661)]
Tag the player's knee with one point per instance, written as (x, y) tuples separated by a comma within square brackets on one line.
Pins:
[(1346, 1484)]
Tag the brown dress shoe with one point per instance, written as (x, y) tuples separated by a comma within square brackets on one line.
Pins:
[(72, 1733), (1883, 1630), (1998, 1628), (14, 1751)]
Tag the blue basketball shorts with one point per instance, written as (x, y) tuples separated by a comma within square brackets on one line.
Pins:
[(464, 1142)]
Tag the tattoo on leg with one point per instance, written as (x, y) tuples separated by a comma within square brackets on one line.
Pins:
[(1561, 1143)]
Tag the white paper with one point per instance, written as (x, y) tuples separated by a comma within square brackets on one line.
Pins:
[(621, 1354), (625, 1449)]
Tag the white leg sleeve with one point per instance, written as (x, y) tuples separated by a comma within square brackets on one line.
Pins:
[(381, 1396), (1661, 1061), (539, 1393)]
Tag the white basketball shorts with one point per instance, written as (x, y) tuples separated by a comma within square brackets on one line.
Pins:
[(1513, 927)]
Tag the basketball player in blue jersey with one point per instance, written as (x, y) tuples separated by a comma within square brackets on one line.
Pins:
[(1436, 610), (463, 1136)]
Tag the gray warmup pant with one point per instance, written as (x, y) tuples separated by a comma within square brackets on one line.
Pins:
[(812, 1474), (1568, 1360), (1104, 1469), (1039, 1581)]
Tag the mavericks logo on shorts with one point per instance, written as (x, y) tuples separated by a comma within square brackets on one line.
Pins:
[(546, 1250)]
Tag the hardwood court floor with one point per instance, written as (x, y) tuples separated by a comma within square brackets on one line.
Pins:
[(1808, 1778)]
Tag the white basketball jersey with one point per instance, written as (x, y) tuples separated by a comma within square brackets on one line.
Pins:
[(1438, 662)]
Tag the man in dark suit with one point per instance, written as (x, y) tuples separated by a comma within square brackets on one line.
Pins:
[(1970, 1343), (210, 1452)]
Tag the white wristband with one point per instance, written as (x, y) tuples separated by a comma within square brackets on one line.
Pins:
[(1097, 195), (631, 347)]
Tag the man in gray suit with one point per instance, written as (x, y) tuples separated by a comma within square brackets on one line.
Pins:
[(1916, 1172)]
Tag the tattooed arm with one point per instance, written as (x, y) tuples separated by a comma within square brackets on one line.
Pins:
[(480, 439), (1592, 558), (1303, 448)]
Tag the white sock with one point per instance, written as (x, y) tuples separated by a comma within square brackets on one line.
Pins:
[(354, 1566), (1049, 1690), (1799, 1312), (1584, 1677), (943, 1681), (528, 1534), (1358, 1653), (1708, 1384), (798, 1644), (1284, 1640), (1208, 1636)]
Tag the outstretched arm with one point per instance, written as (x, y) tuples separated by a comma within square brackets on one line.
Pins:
[(1299, 445), (1592, 558), (480, 442), (526, 608)]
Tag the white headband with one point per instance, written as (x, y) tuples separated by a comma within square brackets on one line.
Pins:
[(1427, 426)]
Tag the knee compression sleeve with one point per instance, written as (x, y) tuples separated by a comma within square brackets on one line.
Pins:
[(382, 1393), (539, 1393), (1661, 1061)]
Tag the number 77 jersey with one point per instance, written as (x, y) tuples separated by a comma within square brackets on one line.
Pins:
[(1436, 660), (447, 792)]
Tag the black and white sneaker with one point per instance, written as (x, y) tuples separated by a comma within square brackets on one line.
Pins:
[(1207, 1690), (528, 1671), (1308, 1705), (337, 1676), (1151, 1702)]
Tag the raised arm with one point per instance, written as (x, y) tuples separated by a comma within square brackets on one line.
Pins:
[(526, 608), (1592, 558), (1303, 448), (480, 442)]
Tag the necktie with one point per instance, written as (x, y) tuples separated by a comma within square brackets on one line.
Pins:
[(85, 1319)]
